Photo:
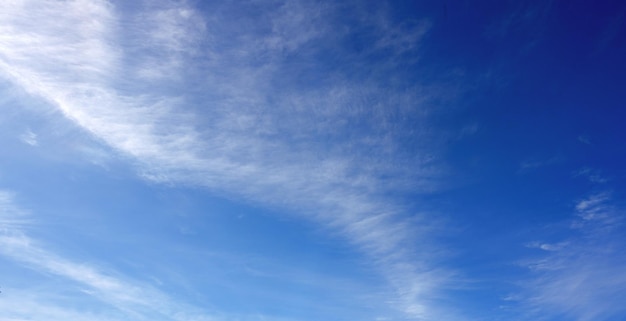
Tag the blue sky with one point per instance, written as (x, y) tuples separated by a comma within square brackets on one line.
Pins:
[(312, 160)]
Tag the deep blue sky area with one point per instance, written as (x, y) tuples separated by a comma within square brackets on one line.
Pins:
[(312, 160)]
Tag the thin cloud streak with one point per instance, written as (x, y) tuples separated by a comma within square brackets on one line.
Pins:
[(29, 138), (134, 299), (247, 148)]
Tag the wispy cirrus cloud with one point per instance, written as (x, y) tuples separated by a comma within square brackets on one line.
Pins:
[(593, 175), (248, 109), (29, 138), (124, 297), (582, 277), (535, 163)]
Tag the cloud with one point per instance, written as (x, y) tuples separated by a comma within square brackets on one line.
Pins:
[(531, 164), (198, 99), (29, 138), (548, 246), (131, 297), (595, 208), (594, 176), (19, 306), (10, 215), (584, 139), (522, 16), (583, 277)]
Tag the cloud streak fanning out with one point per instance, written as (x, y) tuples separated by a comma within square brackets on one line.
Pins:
[(582, 277), (198, 99)]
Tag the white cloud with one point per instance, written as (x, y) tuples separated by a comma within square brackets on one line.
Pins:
[(11, 217), (127, 296), (596, 208), (19, 306), (594, 176), (29, 138), (248, 131), (548, 246), (584, 277)]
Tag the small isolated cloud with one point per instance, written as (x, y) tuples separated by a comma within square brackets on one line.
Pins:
[(534, 163), (594, 176), (584, 139), (548, 246), (29, 138), (596, 207), (469, 130)]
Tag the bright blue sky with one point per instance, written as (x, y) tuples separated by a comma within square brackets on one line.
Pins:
[(312, 160)]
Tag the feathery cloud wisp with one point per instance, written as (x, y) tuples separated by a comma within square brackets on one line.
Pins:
[(583, 277), (249, 130)]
